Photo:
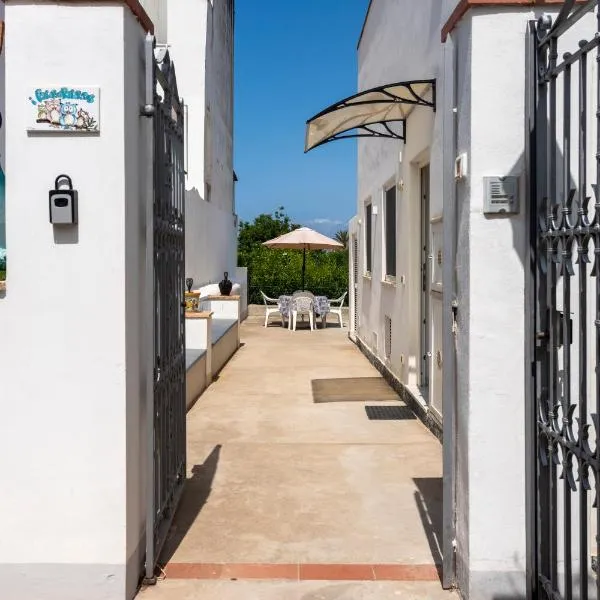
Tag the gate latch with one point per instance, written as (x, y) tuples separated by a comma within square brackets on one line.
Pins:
[(454, 307), (560, 329)]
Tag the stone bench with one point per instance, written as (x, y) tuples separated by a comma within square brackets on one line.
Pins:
[(225, 341), (212, 337), (196, 375)]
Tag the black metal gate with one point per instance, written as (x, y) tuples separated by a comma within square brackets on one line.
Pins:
[(564, 331), (168, 442)]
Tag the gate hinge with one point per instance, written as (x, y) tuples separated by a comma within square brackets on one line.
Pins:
[(541, 338)]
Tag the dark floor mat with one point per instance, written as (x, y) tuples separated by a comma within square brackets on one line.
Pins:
[(389, 413)]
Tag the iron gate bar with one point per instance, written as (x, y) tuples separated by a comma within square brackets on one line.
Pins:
[(560, 227), (582, 260), (570, 59), (566, 270), (567, 18), (531, 321)]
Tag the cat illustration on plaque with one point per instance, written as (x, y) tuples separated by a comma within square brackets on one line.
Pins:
[(65, 109)]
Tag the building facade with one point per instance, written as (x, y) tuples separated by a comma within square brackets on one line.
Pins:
[(2, 142), (440, 277), (78, 457), (199, 37)]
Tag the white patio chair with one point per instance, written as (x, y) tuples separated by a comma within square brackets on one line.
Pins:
[(335, 307), (302, 305), (271, 307)]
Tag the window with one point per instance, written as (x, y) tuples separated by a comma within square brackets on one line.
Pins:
[(369, 236), (390, 232)]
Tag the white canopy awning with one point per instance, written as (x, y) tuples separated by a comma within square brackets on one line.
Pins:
[(378, 112)]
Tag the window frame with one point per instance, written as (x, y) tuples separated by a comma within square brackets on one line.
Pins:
[(390, 225), (368, 237)]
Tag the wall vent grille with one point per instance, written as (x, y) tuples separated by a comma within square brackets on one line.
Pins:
[(388, 337)]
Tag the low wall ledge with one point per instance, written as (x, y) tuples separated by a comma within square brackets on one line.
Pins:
[(217, 297), (134, 6), (204, 314)]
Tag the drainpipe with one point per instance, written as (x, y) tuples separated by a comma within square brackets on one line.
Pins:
[(449, 390)]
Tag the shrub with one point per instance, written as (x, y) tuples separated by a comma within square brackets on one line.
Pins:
[(278, 272)]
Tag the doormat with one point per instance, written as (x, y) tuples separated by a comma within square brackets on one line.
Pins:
[(352, 389), (389, 413)]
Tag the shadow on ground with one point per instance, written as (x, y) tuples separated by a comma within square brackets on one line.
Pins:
[(429, 499), (195, 494)]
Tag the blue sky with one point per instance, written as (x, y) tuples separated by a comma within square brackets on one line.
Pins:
[(292, 59)]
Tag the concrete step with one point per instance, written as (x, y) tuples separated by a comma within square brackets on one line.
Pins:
[(304, 590)]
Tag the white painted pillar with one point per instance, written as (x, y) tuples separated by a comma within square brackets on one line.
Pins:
[(2, 153), (492, 250), (75, 369)]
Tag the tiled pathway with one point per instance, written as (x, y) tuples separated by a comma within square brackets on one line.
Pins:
[(293, 492)]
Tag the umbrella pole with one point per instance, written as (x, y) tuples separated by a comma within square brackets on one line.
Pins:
[(303, 266)]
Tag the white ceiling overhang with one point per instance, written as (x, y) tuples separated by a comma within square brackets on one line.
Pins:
[(378, 112)]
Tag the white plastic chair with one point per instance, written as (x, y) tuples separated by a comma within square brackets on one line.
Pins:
[(335, 307), (271, 307), (302, 305)]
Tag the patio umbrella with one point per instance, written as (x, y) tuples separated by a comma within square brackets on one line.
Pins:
[(303, 239)]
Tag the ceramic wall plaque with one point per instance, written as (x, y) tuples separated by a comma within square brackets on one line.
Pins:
[(65, 109)]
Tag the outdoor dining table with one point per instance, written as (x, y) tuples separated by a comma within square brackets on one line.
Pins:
[(321, 305)]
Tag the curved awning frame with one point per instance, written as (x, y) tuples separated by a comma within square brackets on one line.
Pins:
[(369, 131), (369, 113)]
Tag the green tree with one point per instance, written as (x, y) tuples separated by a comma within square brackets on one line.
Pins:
[(342, 237), (264, 227), (277, 272)]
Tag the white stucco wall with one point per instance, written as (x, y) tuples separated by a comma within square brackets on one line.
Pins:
[(157, 11), (71, 354), (217, 237), (219, 98), (486, 55), (139, 290), (460, 48), (401, 42), (187, 35), (199, 35), (2, 141)]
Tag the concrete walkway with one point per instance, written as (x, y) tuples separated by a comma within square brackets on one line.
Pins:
[(293, 493)]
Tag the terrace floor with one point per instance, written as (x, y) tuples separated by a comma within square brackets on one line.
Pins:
[(293, 492)]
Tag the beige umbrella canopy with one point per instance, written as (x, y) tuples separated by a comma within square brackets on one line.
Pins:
[(304, 239)]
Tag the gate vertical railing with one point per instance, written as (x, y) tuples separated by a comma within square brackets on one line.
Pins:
[(563, 465), (167, 430)]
